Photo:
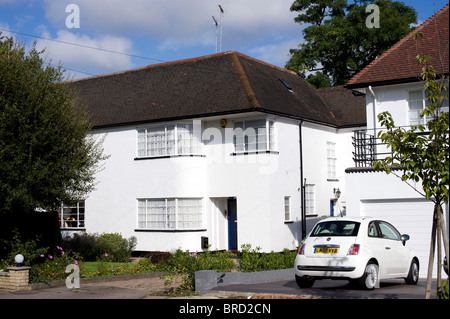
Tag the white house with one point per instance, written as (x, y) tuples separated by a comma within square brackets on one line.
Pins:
[(391, 83), (221, 150)]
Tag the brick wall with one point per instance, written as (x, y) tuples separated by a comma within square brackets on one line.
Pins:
[(16, 278)]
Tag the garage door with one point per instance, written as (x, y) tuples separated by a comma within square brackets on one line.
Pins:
[(410, 216)]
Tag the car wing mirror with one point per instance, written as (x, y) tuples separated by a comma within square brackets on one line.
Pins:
[(404, 238)]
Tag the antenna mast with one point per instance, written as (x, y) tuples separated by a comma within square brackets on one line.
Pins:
[(217, 24), (221, 24)]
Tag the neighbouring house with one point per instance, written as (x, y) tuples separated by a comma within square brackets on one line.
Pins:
[(219, 151), (391, 83)]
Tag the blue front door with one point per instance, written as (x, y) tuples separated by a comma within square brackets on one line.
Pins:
[(232, 224)]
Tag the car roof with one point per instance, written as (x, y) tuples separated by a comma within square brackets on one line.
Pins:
[(349, 218)]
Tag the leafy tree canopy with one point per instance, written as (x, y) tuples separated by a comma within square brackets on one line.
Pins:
[(46, 154), (338, 44)]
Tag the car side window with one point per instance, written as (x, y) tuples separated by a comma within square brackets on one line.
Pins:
[(373, 230), (388, 231)]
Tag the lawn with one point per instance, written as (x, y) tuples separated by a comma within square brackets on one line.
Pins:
[(90, 269)]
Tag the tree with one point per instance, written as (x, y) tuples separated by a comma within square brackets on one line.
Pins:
[(47, 156), (421, 153), (337, 42)]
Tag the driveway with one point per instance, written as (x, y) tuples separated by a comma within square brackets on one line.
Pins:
[(332, 289)]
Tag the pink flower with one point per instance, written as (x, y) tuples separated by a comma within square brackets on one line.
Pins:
[(50, 256), (75, 262), (42, 255), (62, 252), (106, 255)]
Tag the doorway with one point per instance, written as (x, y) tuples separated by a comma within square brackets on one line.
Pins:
[(232, 224)]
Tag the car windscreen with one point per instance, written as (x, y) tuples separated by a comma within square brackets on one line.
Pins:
[(336, 228)]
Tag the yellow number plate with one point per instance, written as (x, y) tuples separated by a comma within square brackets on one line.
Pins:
[(325, 250)]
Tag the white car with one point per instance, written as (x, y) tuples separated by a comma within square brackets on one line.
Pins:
[(364, 250)]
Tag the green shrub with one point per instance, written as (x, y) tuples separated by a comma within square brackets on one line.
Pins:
[(92, 247), (52, 265), (116, 247), (253, 260), (183, 265), (85, 244), (29, 249)]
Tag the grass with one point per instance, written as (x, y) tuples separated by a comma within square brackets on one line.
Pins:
[(91, 269)]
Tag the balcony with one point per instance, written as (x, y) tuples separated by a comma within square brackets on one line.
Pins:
[(367, 149)]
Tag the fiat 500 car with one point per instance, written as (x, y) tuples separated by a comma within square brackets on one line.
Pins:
[(362, 250)]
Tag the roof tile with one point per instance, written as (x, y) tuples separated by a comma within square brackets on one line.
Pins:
[(399, 64)]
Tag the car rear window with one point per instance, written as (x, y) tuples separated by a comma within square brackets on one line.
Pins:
[(336, 228)]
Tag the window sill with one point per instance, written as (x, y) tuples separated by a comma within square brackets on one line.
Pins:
[(254, 152), (73, 228), (332, 180), (288, 221), (167, 156), (168, 230)]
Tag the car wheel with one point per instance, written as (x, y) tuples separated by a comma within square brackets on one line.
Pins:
[(370, 278), (303, 282), (413, 274)]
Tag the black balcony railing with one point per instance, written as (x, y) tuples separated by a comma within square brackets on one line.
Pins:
[(367, 149)]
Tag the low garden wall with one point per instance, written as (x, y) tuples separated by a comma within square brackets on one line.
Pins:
[(16, 278)]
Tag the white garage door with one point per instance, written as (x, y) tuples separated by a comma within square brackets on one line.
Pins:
[(410, 216)]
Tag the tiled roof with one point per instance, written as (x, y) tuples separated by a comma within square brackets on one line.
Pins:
[(348, 107), (217, 84), (399, 65)]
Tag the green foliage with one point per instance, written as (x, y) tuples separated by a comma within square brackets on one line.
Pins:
[(183, 265), (93, 247), (29, 249), (253, 260), (46, 154), (337, 42), (116, 247), (442, 291), (85, 244), (52, 266)]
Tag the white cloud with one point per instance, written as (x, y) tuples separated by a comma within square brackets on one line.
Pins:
[(79, 57), (277, 53), (180, 23)]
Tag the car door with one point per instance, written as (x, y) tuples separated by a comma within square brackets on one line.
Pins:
[(376, 244), (396, 254)]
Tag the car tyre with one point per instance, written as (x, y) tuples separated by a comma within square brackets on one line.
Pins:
[(303, 282), (370, 278), (413, 274)]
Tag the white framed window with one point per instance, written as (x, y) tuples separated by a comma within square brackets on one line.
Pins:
[(287, 208), (416, 102), (331, 160), (254, 136), (168, 140), (310, 199), (72, 216), (170, 213)]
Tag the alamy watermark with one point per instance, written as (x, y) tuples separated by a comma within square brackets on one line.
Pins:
[(73, 19), (373, 19), (73, 280)]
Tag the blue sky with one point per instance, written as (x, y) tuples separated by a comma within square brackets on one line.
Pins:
[(153, 31)]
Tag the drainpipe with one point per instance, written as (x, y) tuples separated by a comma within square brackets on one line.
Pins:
[(374, 103), (302, 186)]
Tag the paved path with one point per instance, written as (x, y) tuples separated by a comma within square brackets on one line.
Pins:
[(333, 289), (151, 286)]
